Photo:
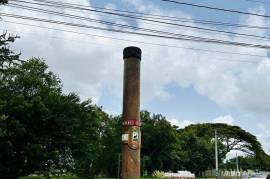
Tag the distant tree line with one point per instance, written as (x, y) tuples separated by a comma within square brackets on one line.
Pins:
[(245, 163), (3, 1), (45, 131)]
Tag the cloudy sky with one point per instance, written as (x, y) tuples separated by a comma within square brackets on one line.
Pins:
[(186, 85)]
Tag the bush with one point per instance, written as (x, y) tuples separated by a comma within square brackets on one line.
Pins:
[(158, 174)]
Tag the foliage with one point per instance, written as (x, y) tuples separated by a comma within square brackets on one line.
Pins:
[(160, 145), (199, 152), (234, 138), (111, 147), (39, 125), (158, 174), (246, 163), (3, 1), (164, 147), (52, 177)]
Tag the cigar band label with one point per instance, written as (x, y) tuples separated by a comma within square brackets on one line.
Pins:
[(131, 122), (134, 137)]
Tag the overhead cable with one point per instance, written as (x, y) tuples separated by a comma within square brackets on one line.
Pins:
[(142, 42), (133, 27), (145, 15), (216, 8), (183, 37)]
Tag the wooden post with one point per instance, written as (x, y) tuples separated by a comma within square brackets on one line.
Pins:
[(216, 155), (131, 136)]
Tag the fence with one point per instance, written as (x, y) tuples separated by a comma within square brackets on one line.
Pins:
[(180, 175), (234, 174)]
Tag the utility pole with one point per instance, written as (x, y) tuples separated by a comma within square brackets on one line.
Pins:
[(216, 155), (131, 135), (119, 165), (237, 169)]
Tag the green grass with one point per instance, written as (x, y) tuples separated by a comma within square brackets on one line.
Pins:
[(42, 177), (33, 177), (116, 178), (68, 177)]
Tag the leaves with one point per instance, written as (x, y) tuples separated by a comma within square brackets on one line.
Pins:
[(3, 1), (39, 124)]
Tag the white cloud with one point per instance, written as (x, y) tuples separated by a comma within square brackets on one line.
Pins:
[(181, 123), (88, 64), (234, 153), (264, 135), (224, 119)]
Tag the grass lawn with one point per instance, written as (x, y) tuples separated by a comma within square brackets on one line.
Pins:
[(67, 177), (42, 177)]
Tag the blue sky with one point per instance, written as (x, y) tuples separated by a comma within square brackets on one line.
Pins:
[(198, 13), (186, 103), (185, 86)]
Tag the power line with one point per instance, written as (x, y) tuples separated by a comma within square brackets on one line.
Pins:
[(156, 15), (257, 1), (183, 37), (215, 40), (148, 43), (100, 36), (236, 34), (216, 8), (160, 17), (171, 26), (132, 27)]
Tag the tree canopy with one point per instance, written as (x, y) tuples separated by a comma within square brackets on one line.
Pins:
[(3, 1), (234, 138), (39, 124)]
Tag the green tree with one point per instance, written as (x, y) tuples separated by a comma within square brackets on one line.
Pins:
[(39, 125), (111, 147), (246, 163), (199, 152), (8, 62), (234, 138), (3, 1), (26, 124), (160, 144)]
